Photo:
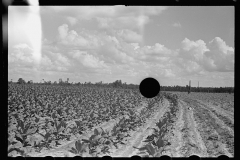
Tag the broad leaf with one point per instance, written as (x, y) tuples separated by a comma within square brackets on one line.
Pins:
[(96, 132), (32, 130), (150, 149), (73, 150), (21, 124), (78, 145), (159, 143), (47, 135), (86, 141)]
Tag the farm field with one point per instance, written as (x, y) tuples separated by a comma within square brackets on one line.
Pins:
[(72, 121)]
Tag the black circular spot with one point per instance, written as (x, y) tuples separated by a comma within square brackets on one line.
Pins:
[(194, 157), (149, 87), (223, 157), (107, 157), (77, 157), (49, 158), (166, 157), (19, 158), (136, 157)]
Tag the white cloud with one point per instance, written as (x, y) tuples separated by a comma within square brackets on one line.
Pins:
[(17, 24), (63, 31), (72, 20), (71, 37), (46, 63), (197, 56), (135, 45), (168, 73), (130, 36), (218, 44), (154, 53), (114, 17), (124, 22), (53, 61), (114, 54), (102, 46), (116, 47), (87, 60), (114, 39), (22, 46), (222, 56), (21, 54), (88, 12), (193, 50), (22, 57), (194, 57), (177, 24), (88, 51)]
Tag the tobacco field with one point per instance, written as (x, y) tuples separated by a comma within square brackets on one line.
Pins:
[(68, 121)]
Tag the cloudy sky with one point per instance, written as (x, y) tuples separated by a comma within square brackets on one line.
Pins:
[(107, 43)]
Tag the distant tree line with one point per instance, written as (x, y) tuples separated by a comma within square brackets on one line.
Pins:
[(198, 89), (116, 84), (119, 84)]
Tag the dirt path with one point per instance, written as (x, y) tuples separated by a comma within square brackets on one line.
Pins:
[(62, 150), (198, 131), (225, 117), (139, 135), (218, 107), (196, 128), (188, 136), (216, 135)]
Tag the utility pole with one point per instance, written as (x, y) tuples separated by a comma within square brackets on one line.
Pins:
[(189, 89), (198, 87)]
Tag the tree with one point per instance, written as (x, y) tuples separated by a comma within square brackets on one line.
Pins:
[(21, 81), (117, 83)]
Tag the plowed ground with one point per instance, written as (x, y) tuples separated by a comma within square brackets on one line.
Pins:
[(193, 126)]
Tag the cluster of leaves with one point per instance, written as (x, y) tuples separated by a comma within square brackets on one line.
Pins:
[(173, 98), (98, 143), (101, 141), (43, 116), (155, 142)]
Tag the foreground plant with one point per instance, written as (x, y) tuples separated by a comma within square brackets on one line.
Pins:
[(149, 150), (79, 149)]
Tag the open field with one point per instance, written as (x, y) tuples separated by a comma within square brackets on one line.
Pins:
[(68, 121)]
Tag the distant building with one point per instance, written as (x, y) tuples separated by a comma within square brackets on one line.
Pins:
[(60, 80)]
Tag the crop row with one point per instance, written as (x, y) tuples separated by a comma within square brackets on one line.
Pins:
[(157, 141), (42, 117)]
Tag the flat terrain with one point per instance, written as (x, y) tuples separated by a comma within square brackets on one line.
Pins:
[(173, 124)]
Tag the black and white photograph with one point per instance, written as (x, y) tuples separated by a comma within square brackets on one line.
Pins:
[(120, 81)]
